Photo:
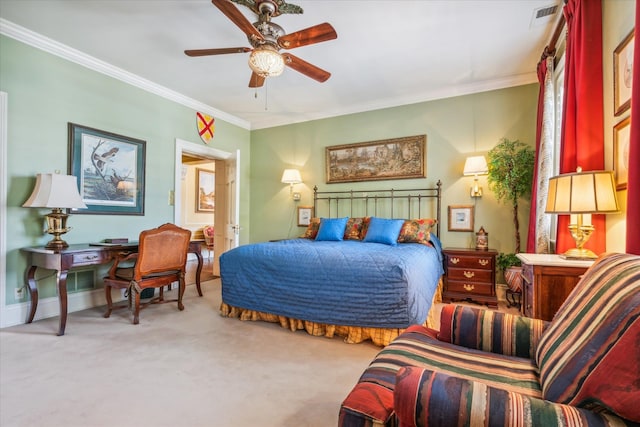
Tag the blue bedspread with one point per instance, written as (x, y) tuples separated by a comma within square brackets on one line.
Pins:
[(349, 283)]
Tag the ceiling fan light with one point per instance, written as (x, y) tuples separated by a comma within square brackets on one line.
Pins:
[(266, 62)]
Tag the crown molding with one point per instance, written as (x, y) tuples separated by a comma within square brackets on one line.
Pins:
[(53, 47)]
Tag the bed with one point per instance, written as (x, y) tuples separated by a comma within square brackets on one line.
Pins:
[(363, 285)]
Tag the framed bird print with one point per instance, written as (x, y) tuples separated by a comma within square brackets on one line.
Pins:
[(109, 169)]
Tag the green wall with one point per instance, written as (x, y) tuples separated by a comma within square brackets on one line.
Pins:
[(46, 92), (455, 128)]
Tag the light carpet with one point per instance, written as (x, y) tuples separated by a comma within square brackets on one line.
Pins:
[(189, 368)]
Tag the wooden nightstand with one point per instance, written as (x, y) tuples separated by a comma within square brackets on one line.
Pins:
[(547, 281), (470, 275)]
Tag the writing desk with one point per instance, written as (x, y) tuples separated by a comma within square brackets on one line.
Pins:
[(80, 255)]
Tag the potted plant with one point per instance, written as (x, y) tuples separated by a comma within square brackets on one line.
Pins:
[(510, 176)]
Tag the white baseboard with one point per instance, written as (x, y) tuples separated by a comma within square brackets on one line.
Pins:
[(16, 314)]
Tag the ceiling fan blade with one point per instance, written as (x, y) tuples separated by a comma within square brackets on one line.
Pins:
[(305, 68), (237, 18), (316, 34), (223, 51), (256, 80)]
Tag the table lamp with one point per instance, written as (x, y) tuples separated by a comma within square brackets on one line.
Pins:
[(57, 192), (579, 193)]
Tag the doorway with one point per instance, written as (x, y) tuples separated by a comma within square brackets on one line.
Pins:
[(222, 202)]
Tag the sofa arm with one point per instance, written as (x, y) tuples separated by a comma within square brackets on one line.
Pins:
[(426, 398), (489, 330)]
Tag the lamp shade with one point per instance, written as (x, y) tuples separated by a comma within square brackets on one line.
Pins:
[(582, 193), (291, 176), (475, 165), (55, 191)]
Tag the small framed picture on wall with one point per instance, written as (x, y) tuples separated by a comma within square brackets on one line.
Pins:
[(621, 140), (305, 213), (623, 74), (461, 217)]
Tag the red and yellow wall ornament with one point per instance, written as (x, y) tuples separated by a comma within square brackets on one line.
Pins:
[(206, 127)]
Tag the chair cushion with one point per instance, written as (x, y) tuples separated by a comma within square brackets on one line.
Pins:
[(590, 354), (372, 397), (427, 398)]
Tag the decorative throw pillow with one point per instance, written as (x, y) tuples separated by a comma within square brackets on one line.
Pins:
[(383, 231), (416, 230), (312, 229), (353, 231), (365, 226), (332, 229)]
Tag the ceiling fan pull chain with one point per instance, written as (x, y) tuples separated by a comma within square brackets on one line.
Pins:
[(266, 94)]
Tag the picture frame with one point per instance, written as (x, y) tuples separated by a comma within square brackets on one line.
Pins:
[(460, 217), (396, 158), (305, 213), (110, 171), (623, 74), (621, 141), (205, 190)]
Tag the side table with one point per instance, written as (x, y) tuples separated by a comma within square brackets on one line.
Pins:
[(547, 282), (470, 275)]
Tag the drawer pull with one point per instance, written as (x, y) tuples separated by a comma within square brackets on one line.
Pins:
[(483, 262), (468, 288), (469, 274), (90, 257), (455, 260)]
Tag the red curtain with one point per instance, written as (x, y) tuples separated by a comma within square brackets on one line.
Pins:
[(633, 186), (531, 237), (582, 142)]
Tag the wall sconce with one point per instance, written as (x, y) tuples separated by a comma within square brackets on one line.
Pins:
[(56, 192), (291, 177), (476, 165), (592, 192)]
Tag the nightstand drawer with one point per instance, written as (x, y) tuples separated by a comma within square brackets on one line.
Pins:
[(472, 288), (468, 274), (478, 262)]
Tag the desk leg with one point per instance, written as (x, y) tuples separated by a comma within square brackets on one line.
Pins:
[(62, 297), (198, 271), (33, 292)]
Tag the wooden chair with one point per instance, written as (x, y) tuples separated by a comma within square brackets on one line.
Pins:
[(208, 233), (161, 260)]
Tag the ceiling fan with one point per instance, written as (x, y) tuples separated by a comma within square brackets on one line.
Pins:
[(268, 38)]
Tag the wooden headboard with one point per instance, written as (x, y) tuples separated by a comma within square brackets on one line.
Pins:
[(407, 203)]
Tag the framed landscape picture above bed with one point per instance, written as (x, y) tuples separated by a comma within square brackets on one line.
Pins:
[(397, 158)]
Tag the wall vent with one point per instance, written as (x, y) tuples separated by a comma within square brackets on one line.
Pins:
[(546, 11), (543, 15)]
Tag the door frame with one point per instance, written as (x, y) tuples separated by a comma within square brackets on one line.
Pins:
[(187, 147), (4, 316)]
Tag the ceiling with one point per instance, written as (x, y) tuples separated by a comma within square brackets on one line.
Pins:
[(387, 53)]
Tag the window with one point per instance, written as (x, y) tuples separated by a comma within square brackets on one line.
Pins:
[(558, 83)]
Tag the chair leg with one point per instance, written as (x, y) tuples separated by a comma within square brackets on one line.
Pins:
[(136, 310), (181, 288), (107, 294)]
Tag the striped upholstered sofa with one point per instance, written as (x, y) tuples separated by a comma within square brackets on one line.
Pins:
[(485, 368)]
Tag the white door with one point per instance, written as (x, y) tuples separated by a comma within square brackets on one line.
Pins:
[(228, 213)]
